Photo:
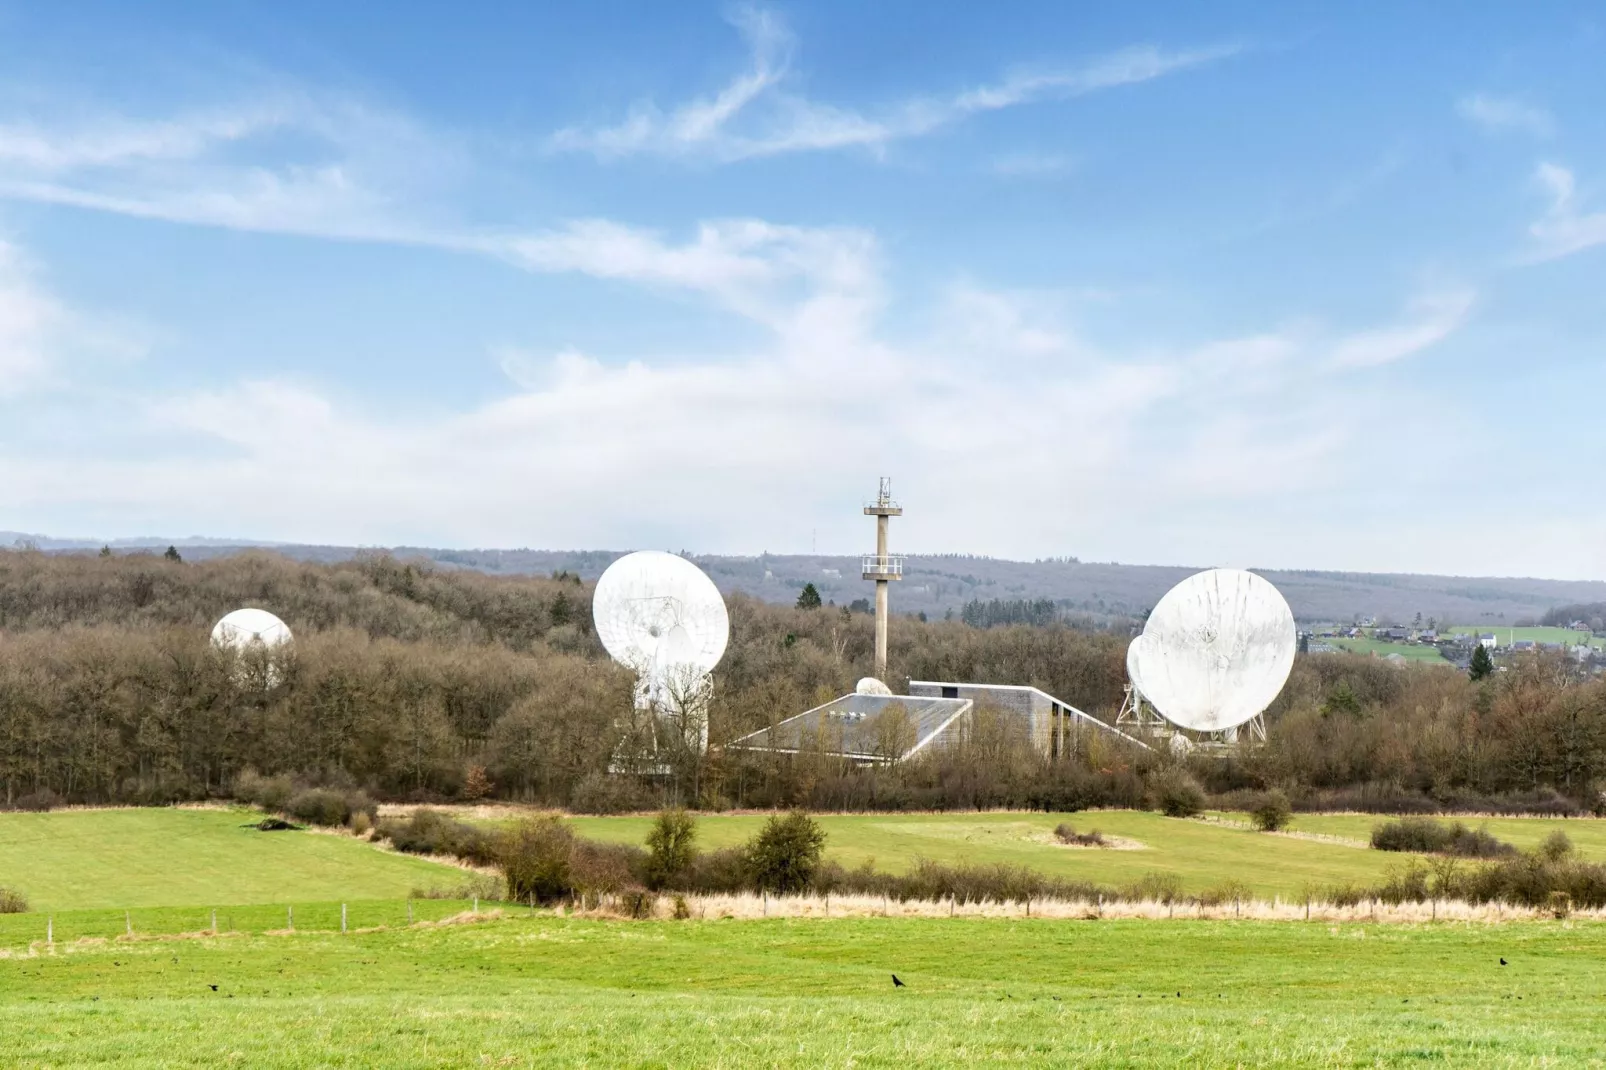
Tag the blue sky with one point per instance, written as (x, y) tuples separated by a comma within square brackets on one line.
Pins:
[(1253, 285)]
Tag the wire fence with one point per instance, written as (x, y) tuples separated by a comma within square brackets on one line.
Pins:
[(19, 932)]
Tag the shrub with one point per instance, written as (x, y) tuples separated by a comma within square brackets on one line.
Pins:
[(534, 857), (1070, 837), (270, 793), (1556, 847), (1227, 892), (722, 871), (13, 901), (430, 832), (1162, 887), (1271, 811), (1177, 794), (38, 801), (785, 854), (320, 806), (361, 823), (607, 793), (1424, 835), (671, 846), (605, 868)]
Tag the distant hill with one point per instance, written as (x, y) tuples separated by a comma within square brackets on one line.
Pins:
[(936, 584)]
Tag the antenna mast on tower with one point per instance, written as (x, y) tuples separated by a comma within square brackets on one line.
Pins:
[(882, 567)]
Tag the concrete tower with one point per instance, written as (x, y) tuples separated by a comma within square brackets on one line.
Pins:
[(883, 568)]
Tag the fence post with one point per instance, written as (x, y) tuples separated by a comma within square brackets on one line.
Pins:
[(342, 917), (476, 904), (50, 930), (214, 921), (290, 918), (128, 923), (409, 912)]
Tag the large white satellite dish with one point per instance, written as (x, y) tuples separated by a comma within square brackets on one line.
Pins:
[(1215, 651), (245, 629), (661, 616)]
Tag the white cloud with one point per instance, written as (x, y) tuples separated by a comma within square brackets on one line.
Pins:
[(1499, 115), (1002, 404), (1563, 229), (355, 172), (756, 115), (29, 319), (1430, 319)]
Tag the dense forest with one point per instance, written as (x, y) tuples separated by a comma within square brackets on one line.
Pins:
[(420, 682)]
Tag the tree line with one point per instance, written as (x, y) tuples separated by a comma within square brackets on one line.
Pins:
[(420, 682)]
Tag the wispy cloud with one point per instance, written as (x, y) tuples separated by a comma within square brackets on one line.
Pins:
[(354, 172), (1563, 229), (1430, 319), (1501, 115), (756, 115)]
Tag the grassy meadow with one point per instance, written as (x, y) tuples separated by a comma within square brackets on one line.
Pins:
[(542, 991), (74, 859), (127, 974)]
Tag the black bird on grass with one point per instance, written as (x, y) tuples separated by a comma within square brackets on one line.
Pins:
[(212, 987), (897, 983), (1503, 962)]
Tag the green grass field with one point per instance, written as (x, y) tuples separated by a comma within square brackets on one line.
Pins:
[(1425, 654), (1537, 635), (72, 859), (540, 991), (1203, 852), (527, 988)]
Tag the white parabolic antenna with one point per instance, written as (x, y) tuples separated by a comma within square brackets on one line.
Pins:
[(1215, 651), (247, 628), (661, 616)]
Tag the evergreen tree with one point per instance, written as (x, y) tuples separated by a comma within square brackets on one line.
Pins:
[(810, 598), (1482, 663), (172, 554)]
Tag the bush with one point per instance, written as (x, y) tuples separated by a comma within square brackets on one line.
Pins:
[(671, 846), (1161, 887), (270, 793), (1177, 794), (1227, 892), (38, 801), (1426, 836), (1272, 811), (430, 832), (534, 858), (784, 856), (1556, 847), (13, 901), (320, 806), (1070, 837), (609, 793)]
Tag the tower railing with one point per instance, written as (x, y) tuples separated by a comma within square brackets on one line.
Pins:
[(881, 566)]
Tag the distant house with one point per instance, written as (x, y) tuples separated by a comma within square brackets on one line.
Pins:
[(1579, 626), (1489, 640), (1427, 635), (1524, 644), (1392, 635)]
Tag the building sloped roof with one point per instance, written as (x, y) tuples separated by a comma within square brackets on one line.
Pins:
[(866, 727)]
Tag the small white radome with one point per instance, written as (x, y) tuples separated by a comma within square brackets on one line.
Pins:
[(245, 628)]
